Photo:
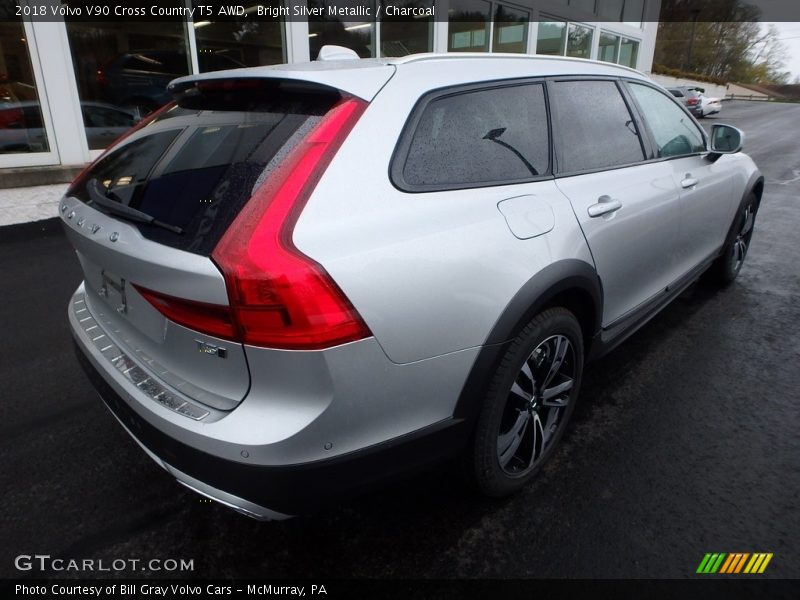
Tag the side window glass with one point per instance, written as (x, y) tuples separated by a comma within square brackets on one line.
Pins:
[(674, 131), (595, 127), (495, 135)]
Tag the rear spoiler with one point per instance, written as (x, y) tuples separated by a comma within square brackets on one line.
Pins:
[(360, 78), (237, 93)]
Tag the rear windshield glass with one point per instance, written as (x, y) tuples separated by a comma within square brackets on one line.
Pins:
[(197, 165)]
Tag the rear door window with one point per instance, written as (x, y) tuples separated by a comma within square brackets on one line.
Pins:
[(479, 137), (595, 128), (196, 166)]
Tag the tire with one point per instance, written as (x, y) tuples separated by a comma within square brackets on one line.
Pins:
[(726, 268), (514, 435)]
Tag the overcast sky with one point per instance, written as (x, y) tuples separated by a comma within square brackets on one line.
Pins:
[(790, 36)]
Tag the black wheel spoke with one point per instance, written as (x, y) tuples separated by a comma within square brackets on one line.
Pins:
[(551, 423), (517, 390), (557, 395), (508, 443), (560, 347), (538, 439)]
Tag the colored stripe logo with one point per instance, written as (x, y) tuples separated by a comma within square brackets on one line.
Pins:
[(734, 563)]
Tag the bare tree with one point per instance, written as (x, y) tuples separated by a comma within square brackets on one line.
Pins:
[(720, 38)]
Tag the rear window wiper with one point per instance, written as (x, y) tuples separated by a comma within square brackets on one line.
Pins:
[(107, 201)]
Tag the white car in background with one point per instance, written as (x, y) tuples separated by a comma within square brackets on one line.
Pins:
[(709, 106)]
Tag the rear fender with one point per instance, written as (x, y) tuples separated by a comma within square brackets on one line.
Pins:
[(550, 286)]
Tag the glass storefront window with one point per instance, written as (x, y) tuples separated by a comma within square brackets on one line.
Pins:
[(611, 10), (122, 69), (633, 12), (609, 45), (551, 37), (22, 127), (629, 11), (584, 5), (510, 29), (628, 53), (469, 26), (356, 35), (579, 41), (402, 35), (244, 43)]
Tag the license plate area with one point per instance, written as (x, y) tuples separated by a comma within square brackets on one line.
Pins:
[(112, 290)]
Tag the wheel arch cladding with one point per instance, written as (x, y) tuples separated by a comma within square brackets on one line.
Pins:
[(570, 283), (755, 185), (758, 187)]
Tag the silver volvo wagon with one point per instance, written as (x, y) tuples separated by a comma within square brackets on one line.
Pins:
[(302, 280)]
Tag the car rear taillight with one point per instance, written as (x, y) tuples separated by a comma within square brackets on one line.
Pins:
[(148, 119), (278, 296), (213, 319), (692, 101)]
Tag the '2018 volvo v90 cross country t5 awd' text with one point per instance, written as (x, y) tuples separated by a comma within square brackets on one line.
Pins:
[(302, 280)]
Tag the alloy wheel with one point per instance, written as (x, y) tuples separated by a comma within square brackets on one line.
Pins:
[(742, 241), (535, 405)]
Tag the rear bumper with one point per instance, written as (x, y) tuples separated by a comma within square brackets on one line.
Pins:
[(246, 458), (272, 493)]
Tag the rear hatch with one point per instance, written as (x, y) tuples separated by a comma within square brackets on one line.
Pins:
[(146, 217)]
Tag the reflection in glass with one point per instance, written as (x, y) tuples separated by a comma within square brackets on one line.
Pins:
[(510, 30), (579, 41), (469, 26), (628, 53), (356, 35), (611, 10), (401, 35), (584, 5), (607, 50), (122, 69), (551, 37), (633, 12), (21, 125), (248, 42)]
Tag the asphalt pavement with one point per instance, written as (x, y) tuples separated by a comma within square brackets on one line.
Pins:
[(686, 440)]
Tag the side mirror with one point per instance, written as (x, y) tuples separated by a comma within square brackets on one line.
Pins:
[(726, 139)]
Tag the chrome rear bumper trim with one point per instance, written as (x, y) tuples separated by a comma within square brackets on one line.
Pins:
[(123, 363)]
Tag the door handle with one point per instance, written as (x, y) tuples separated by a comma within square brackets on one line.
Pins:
[(688, 182), (605, 205)]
